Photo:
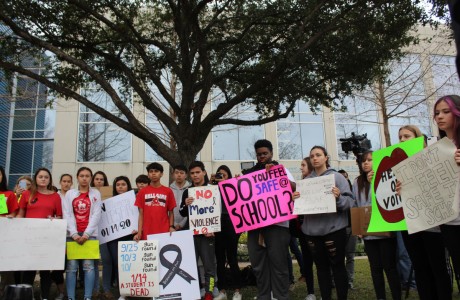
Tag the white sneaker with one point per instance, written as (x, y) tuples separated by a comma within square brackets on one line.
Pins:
[(237, 296), (202, 292), (221, 296), (310, 297)]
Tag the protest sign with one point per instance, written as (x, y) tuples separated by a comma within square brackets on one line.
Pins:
[(138, 268), (3, 205), (316, 196), (178, 271), (387, 211), (119, 217), (106, 192), (429, 186), (32, 244), (89, 250), (204, 212), (258, 199), (360, 218)]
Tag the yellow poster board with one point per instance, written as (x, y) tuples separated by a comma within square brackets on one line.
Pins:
[(89, 250)]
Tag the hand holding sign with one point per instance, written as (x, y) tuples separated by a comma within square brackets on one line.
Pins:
[(258, 199)]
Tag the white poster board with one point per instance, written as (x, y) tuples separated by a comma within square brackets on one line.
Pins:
[(316, 196), (429, 190), (178, 271), (119, 217), (138, 269), (32, 244), (204, 212)]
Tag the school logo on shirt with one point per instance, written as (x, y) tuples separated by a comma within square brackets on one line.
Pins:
[(82, 208), (155, 199)]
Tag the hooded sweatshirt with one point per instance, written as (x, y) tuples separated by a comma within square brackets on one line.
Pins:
[(178, 219), (322, 224)]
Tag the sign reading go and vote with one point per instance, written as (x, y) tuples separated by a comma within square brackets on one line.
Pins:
[(138, 270), (258, 199), (204, 212), (119, 217)]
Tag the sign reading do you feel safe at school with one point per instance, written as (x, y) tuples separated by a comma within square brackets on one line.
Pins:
[(258, 199)]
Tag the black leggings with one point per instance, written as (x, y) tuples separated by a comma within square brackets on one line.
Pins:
[(382, 257), (28, 277), (329, 253)]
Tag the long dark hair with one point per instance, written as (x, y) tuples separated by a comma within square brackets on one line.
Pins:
[(106, 181), (363, 183), (3, 182), (325, 153), (120, 178), (226, 169), (453, 101), (33, 188)]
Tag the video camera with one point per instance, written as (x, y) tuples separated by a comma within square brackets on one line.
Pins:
[(358, 144)]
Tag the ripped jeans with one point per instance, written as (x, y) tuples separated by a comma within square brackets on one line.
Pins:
[(71, 276), (329, 254)]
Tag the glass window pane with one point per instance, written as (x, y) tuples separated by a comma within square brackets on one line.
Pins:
[(21, 157), (225, 138), (103, 142), (24, 120)]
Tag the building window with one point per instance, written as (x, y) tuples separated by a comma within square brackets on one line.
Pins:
[(445, 76), (297, 134), (152, 123), (235, 142), (405, 95), (98, 138), (32, 131), (360, 118)]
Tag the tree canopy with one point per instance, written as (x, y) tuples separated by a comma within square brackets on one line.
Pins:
[(176, 56)]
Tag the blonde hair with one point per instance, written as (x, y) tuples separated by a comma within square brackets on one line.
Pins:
[(412, 128)]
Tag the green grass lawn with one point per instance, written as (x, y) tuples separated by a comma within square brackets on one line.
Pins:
[(363, 287)]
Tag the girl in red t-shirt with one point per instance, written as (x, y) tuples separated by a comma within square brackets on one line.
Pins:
[(42, 202), (8, 202), (8, 208)]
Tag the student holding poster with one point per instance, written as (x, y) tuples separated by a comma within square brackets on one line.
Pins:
[(121, 184), (42, 202), (204, 243), (156, 204), (426, 249), (326, 233), (268, 246), (8, 208), (380, 250), (226, 245), (447, 117), (82, 210)]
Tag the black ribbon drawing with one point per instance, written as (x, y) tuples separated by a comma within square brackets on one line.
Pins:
[(174, 267)]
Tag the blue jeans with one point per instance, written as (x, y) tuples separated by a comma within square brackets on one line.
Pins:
[(71, 276)]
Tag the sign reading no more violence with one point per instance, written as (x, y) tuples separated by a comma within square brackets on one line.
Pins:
[(258, 199), (204, 212)]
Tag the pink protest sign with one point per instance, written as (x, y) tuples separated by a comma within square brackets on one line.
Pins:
[(258, 199)]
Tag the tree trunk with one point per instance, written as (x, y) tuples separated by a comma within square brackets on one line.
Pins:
[(382, 102)]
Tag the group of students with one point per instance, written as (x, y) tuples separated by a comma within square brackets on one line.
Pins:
[(158, 205), (323, 237)]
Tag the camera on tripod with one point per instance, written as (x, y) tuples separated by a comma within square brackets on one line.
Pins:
[(358, 144)]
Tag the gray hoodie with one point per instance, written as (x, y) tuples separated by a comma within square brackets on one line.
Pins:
[(322, 224), (178, 219)]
